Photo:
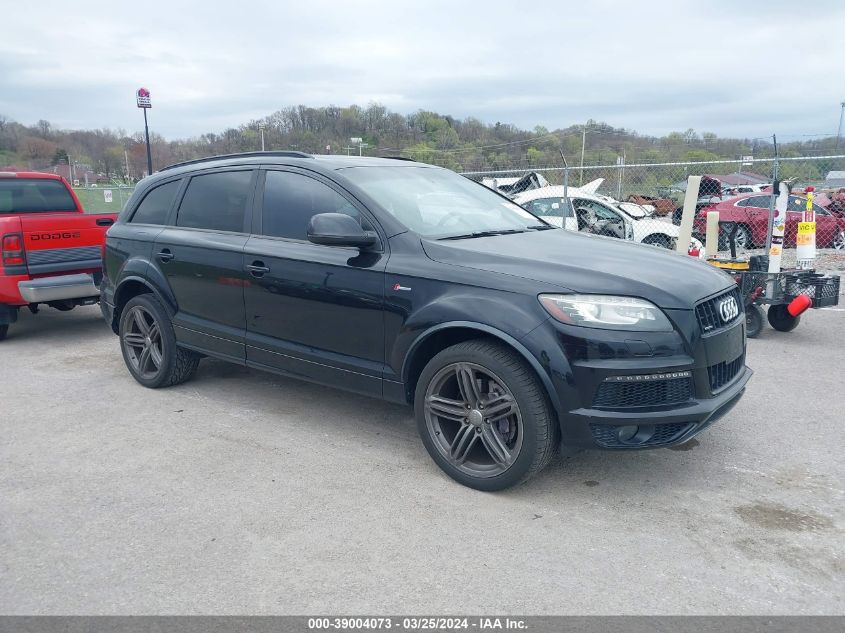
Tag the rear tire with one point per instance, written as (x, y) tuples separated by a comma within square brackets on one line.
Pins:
[(149, 345), (457, 391), (4, 329), (780, 319), (753, 321)]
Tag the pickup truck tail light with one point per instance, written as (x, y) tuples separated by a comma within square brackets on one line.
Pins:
[(13, 251)]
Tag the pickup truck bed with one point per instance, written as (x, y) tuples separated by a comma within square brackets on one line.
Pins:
[(51, 250)]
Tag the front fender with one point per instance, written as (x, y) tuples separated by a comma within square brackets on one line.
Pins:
[(514, 320)]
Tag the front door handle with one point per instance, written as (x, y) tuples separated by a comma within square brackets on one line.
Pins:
[(165, 255), (258, 269)]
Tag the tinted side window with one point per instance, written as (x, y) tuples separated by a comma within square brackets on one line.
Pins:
[(758, 202), (291, 200), (155, 205), (216, 201)]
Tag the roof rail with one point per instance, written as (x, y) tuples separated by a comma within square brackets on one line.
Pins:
[(400, 158), (241, 155)]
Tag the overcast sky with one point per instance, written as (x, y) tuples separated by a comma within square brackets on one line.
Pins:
[(745, 68)]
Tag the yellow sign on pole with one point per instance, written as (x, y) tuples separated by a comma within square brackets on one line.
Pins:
[(805, 242)]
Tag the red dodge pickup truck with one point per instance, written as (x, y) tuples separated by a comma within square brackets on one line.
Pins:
[(50, 250)]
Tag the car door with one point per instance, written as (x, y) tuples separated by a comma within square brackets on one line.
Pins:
[(828, 229), (313, 311), (598, 219), (201, 258)]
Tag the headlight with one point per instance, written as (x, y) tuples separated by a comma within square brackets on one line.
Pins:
[(607, 312)]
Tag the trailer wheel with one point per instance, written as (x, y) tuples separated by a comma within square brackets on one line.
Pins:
[(780, 319), (753, 321)]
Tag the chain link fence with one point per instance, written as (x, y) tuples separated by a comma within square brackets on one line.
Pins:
[(642, 202), (104, 198)]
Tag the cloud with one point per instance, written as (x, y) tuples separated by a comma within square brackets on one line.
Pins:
[(747, 69)]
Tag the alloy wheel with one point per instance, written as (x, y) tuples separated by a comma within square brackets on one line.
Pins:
[(142, 342), (473, 419)]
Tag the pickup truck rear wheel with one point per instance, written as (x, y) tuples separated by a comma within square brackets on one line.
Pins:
[(149, 345), (4, 329), (484, 416)]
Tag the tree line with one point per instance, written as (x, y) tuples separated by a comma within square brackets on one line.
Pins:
[(467, 144)]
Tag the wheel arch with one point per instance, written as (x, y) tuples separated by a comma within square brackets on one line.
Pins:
[(656, 236), (439, 337), (132, 286)]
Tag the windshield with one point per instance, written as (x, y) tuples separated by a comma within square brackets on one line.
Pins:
[(438, 203)]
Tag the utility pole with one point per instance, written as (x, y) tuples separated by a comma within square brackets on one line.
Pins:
[(839, 133), (583, 144)]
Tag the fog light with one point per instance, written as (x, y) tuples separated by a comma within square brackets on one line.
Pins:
[(626, 433)]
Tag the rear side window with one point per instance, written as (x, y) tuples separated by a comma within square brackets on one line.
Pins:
[(31, 195), (216, 201), (291, 200), (155, 205)]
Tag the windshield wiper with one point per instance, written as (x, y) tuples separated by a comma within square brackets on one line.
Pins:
[(467, 236), (541, 227)]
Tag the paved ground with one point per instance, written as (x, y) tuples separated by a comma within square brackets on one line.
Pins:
[(242, 492)]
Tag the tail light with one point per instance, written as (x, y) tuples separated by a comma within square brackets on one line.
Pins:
[(13, 251)]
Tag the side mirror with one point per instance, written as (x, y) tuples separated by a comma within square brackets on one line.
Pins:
[(339, 229)]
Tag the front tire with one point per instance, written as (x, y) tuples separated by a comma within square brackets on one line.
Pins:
[(484, 417), (149, 345), (780, 319)]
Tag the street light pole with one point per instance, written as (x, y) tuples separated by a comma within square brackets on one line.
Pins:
[(261, 130), (839, 133), (142, 99), (149, 153)]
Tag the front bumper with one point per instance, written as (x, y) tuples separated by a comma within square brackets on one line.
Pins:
[(60, 288), (700, 377)]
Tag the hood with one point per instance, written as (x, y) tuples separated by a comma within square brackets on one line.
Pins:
[(587, 264)]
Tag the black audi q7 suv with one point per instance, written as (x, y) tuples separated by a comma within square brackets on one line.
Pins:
[(410, 283)]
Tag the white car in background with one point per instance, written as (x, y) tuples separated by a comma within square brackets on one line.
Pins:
[(599, 215)]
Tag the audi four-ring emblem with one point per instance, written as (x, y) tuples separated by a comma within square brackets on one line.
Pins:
[(728, 309)]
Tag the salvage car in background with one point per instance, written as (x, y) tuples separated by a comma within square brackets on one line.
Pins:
[(598, 215), (750, 214)]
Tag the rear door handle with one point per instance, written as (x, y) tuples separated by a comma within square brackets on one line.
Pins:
[(165, 255), (104, 221), (258, 269)]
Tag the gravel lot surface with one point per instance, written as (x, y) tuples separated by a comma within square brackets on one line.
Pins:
[(242, 492)]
